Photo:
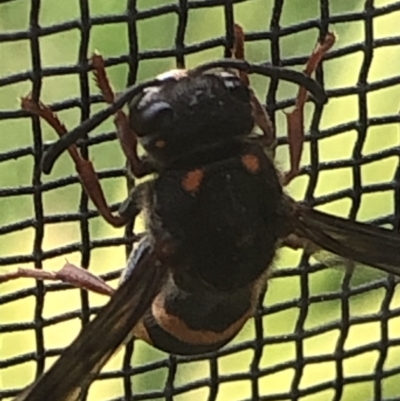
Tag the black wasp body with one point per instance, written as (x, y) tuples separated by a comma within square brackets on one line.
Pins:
[(216, 200), (215, 213)]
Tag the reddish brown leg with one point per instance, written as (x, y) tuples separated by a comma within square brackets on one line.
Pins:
[(238, 52), (260, 115), (70, 274), (84, 167), (126, 135), (295, 118)]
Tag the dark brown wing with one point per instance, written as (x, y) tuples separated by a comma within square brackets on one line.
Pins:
[(364, 243), (79, 364)]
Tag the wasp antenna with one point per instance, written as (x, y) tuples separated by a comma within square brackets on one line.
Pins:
[(88, 125), (268, 70)]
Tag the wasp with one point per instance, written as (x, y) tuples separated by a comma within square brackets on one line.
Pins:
[(215, 213)]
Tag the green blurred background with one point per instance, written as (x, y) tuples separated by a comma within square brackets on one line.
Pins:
[(159, 33)]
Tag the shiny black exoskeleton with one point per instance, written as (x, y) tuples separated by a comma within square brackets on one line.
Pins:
[(216, 198)]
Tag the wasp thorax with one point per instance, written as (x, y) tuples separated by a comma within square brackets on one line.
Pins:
[(190, 113)]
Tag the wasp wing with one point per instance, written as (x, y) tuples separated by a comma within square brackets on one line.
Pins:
[(77, 367), (364, 243)]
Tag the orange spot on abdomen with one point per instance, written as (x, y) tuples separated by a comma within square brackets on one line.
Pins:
[(191, 182), (251, 163)]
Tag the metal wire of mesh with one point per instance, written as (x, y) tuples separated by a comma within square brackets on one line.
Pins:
[(322, 334)]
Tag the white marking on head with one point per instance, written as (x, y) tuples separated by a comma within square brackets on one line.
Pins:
[(175, 74)]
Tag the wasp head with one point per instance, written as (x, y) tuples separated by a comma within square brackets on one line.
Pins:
[(189, 113)]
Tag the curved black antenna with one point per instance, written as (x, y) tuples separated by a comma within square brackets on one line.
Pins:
[(91, 123), (268, 70)]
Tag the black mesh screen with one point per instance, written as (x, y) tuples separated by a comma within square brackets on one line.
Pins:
[(323, 332)]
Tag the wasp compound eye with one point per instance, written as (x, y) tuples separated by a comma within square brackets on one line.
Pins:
[(151, 117)]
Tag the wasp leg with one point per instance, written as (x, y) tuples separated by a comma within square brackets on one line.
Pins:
[(133, 204), (84, 167), (238, 52), (70, 274), (295, 118), (260, 115), (128, 138)]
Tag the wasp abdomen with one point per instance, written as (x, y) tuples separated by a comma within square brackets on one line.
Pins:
[(197, 321)]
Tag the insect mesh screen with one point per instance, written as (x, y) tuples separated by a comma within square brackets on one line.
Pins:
[(323, 332)]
